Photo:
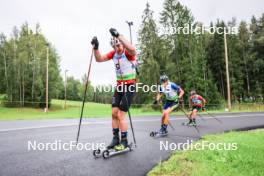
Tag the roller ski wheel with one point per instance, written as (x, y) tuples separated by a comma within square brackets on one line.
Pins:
[(112, 152), (97, 153), (106, 154), (152, 133)]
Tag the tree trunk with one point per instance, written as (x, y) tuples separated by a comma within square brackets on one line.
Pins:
[(7, 87), (222, 84)]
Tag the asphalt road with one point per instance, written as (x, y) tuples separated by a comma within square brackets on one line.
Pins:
[(17, 159)]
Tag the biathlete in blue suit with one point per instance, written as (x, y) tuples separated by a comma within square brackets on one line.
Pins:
[(173, 93)]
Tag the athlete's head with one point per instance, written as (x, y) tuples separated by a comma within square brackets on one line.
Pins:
[(117, 45), (193, 92), (164, 79)]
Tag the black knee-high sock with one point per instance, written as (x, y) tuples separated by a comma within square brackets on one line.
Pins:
[(124, 135), (116, 132)]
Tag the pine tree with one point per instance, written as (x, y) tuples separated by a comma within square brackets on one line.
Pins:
[(150, 53)]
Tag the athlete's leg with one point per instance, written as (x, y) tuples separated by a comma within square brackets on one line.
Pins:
[(163, 116), (115, 121), (122, 120), (117, 97), (166, 115), (115, 125), (123, 109), (189, 115), (165, 119), (194, 113)]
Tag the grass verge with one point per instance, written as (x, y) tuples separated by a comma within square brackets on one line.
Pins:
[(73, 110), (247, 160)]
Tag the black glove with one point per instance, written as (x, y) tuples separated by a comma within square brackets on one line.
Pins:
[(203, 108), (95, 43), (114, 32), (155, 102)]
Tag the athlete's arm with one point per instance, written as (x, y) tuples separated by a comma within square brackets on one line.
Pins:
[(99, 57), (157, 98), (159, 95), (204, 101), (178, 89), (97, 54), (181, 93), (130, 48)]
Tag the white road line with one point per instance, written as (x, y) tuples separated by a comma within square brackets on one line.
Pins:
[(38, 127), (135, 120)]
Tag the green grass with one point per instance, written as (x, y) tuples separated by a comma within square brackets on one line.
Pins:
[(57, 111), (73, 110), (247, 160)]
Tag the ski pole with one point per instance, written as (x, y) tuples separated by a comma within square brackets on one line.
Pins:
[(184, 112), (201, 117), (214, 117), (84, 97), (197, 114), (131, 124), (172, 127)]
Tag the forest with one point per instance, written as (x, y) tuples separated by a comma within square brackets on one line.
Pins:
[(194, 61)]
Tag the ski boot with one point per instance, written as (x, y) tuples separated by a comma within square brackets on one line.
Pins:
[(193, 123), (187, 123), (123, 145), (115, 141)]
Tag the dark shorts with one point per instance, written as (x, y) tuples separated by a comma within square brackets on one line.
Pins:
[(170, 104), (198, 108), (123, 97)]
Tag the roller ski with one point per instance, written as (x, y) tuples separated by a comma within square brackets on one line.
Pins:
[(160, 133), (113, 149), (190, 123)]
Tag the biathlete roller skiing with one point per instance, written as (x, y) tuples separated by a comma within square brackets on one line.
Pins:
[(173, 94), (124, 57), (196, 104)]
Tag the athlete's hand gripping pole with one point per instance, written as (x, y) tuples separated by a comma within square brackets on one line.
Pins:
[(84, 96)]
